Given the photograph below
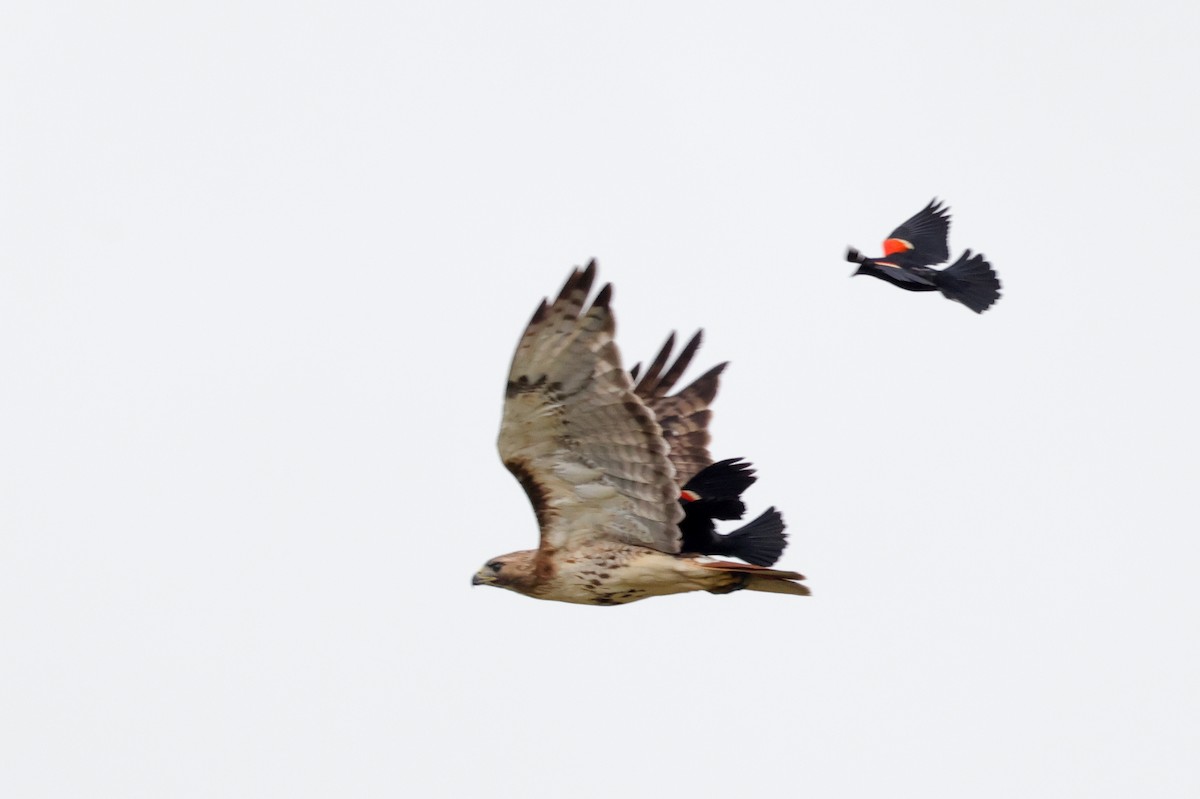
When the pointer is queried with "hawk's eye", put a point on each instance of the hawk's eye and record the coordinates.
(495, 566)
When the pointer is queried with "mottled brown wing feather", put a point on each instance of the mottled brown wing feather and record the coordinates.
(586, 449)
(684, 416)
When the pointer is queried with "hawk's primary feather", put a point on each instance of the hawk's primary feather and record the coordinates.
(684, 416)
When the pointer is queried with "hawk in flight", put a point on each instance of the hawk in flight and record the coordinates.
(912, 249)
(618, 472)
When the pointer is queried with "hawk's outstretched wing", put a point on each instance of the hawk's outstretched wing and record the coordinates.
(586, 449)
(924, 236)
(683, 416)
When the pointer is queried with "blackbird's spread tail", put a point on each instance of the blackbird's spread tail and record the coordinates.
(854, 256)
(760, 542)
(971, 281)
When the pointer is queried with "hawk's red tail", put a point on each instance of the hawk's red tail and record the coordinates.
(756, 578)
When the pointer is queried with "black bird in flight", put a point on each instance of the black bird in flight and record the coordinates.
(716, 493)
(912, 249)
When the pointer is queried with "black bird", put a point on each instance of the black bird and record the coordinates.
(915, 246)
(715, 493)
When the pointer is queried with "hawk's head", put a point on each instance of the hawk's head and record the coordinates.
(515, 571)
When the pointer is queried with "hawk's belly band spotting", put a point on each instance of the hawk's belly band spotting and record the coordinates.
(616, 574)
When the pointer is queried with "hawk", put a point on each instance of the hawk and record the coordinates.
(606, 463)
(912, 249)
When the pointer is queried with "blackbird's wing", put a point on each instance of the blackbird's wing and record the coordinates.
(923, 238)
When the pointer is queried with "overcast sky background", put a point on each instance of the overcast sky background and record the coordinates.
(262, 267)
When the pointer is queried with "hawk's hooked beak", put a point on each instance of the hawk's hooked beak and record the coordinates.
(483, 577)
(476, 579)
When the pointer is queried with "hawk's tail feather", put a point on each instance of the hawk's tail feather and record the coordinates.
(760, 542)
(971, 281)
(757, 578)
(777, 585)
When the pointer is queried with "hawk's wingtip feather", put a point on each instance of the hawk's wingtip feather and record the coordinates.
(604, 297)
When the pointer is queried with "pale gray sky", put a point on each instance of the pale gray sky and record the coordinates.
(262, 267)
